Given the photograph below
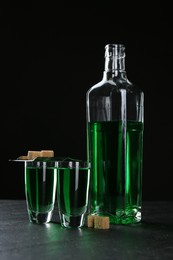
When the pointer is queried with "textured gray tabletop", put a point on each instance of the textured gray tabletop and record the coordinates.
(151, 239)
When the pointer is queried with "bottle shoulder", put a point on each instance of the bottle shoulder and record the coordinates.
(103, 85)
(114, 85)
(129, 86)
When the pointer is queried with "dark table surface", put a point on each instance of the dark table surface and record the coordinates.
(151, 239)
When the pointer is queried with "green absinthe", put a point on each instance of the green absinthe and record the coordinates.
(72, 189)
(116, 170)
(40, 187)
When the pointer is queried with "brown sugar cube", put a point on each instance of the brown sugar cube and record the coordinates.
(47, 153)
(23, 157)
(101, 222)
(33, 154)
(90, 221)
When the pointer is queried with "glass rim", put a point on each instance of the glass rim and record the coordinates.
(59, 164)
(73, 164)
(40, 164)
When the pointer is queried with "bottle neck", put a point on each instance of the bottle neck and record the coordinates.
(114, 62)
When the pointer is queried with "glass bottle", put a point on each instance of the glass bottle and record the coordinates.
(115, 125)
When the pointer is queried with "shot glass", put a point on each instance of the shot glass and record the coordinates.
(73, 179)
(40, 190)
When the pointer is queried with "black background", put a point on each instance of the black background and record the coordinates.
(51, 55)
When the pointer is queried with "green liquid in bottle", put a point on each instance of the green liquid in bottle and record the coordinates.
(116, 170)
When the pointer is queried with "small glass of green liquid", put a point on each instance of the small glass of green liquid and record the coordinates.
(73, 179)
(40, 190)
